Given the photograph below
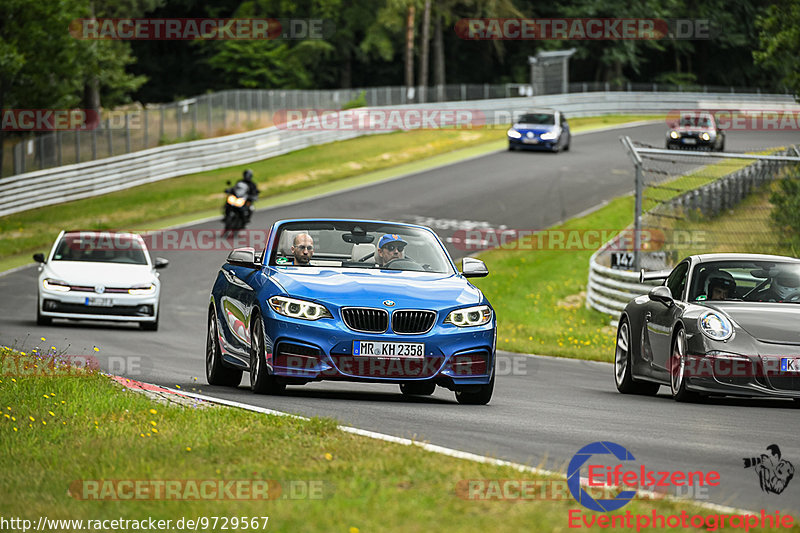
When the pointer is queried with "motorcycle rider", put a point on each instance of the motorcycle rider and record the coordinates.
(252, 192)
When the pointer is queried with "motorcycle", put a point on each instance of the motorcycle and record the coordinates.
(237, 207)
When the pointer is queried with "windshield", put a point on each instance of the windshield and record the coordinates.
(537, 118)
(100, 248)
(752, 281)
(694, 121)
(360, 245)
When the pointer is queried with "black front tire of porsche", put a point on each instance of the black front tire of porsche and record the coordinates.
(216, 372)
(418, 388)
(622, 365)
(480, 397)
(677, 370)
(261, 381)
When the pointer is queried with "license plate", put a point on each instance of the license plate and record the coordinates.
(689, 141)
(530, 141)
(790, 364)
(99, 302)
(389, 349)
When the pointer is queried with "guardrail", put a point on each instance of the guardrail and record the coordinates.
(609, 290)
(72, 182)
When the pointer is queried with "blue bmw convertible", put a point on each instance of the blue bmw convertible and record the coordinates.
(351, 300)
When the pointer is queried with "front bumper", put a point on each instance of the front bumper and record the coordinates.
(742, 375)
(303, 351)
(520, 144)
(75, 305)
(690, 143)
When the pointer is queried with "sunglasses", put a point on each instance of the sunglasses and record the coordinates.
(395, 247)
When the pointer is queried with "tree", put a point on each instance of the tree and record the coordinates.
(779, 42)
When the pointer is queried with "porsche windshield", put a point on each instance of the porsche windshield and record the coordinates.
(695, 121)
(751, 281)
(546, 119)
(359, 245)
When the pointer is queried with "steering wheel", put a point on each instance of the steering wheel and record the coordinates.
(794, 297)
(405, 263)
(371, 254)
(756, 288)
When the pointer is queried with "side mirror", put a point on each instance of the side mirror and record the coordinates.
(661, 294)
(161, 263)
(39, 258)
(473, 268)
(244, 257)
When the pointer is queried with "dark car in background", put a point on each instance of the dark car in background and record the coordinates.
(696, 131)
(541, 129)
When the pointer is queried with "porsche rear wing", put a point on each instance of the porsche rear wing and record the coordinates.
(653, 275)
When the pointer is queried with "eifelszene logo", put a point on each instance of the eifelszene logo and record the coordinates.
(774, 473)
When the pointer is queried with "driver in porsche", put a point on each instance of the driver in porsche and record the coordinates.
(390, 247)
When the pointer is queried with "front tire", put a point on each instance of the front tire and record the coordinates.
(151, 326)
(261, 381)
(622, 365)
(479, 397)
(216, 372)
(677, 370)
(42, 320)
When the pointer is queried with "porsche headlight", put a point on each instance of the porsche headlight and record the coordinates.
(715, 325)
(295, 308)
(548, 135)
(142, 290)
(469, 316)
(673, 134)
(705, 136)
(514, 134)
(55, 285)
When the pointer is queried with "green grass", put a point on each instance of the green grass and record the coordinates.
(95, 430)
(200, 195)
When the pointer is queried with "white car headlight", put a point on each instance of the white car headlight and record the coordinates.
(142, 290)
(469, 316)
(55, 285)
(715, 325)
(548, 135)
(295, 308)
(674, 134)
(705, 136)
(514, 134)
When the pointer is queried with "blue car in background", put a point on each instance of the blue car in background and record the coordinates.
(377, 302)
(541, 129)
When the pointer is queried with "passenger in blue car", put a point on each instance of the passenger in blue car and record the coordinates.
(390, 247)
(303, 249)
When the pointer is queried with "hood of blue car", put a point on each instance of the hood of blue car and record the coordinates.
(370, 288)
(537, 129)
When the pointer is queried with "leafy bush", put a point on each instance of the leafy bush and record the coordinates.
(786, 208)
(361, 101)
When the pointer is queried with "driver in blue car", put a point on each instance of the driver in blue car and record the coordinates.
(390, 247)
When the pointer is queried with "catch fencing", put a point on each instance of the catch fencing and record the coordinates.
(92, 178)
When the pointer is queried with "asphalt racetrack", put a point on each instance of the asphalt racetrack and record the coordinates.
(543, 410)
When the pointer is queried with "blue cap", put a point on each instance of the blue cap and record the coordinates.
(390, 237)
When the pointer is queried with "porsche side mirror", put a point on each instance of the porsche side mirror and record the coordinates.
(473, 268)
(661, 294)
(160, 263)
(245, 257)
(39, 258)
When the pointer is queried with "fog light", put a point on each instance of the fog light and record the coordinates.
(50, 305)
(146, 310)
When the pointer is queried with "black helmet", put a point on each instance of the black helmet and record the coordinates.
(247, 175)
(722, 280)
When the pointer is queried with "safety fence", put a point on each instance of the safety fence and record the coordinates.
(92, 178)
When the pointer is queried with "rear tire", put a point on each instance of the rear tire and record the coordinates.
(261, 381)
(216, 372)
(418, 388)
(622, 365)
(480, 397)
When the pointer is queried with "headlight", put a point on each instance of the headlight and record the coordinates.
(236, 201)
(548, 136)
(514, 134)
(294, 308)
(715, 325)
(55, 285)
(142, 290)
(469, 316)
(705, 136)
(673, 134)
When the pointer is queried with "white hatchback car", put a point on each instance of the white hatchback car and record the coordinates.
(97, 275)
